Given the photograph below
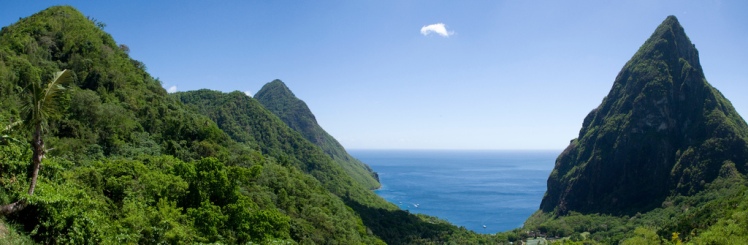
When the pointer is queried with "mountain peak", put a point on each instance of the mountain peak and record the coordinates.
(669, 41)
(277, 82)
(279, 100)
(278, 87)
(662, 130)
(671, 21)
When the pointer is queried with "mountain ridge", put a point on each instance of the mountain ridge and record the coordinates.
(662, 130)
(129, 163)
(281, 101)
(246, 120)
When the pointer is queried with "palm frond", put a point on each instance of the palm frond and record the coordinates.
(41, 99)
(55, 86)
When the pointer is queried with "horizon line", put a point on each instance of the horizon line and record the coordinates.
(447, 149)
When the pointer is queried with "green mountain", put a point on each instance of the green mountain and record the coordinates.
(247, 121)
(661, 131)
(662, 160)
(128, 163)
(279, 99)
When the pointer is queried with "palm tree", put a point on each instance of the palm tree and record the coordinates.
(39, 105)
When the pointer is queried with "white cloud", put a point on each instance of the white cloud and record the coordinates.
(437, 28)
(172, 89)
(248, 93)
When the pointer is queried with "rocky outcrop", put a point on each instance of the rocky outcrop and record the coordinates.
(662, 130)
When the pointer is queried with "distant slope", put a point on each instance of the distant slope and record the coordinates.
(279, 99)
(246, 120)
(663, 130)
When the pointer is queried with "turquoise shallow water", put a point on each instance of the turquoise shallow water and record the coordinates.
(498, 189)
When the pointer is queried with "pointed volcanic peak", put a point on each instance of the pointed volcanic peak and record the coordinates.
(278, 99)
(663, 130)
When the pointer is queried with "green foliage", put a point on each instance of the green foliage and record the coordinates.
(247, 121)
(10, 235)
(728, 230)
(114, 107)
(129, 164)
(642, 236)
(40, 101)
(712, 216)
(14, 162)
(401, 227)
(279, 100)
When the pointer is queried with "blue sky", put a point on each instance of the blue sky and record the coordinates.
(512, 74)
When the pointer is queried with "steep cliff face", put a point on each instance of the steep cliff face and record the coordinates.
(278, 99)
(662, 130)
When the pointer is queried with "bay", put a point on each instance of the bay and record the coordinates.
(495, 189)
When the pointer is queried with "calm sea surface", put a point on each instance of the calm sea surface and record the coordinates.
(498, 189)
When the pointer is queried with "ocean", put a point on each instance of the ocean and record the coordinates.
(484, 191)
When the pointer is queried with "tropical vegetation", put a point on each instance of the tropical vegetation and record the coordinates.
(94, 151)
(279, 100)
(124, 162)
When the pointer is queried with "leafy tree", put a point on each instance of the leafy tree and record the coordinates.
(40, 106)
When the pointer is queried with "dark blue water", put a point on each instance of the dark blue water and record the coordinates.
(498, 189)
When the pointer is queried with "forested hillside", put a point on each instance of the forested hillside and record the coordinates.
(126, 163)
(278, 99)
(246, 120)
(123, 162)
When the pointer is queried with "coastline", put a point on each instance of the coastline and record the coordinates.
(498, 189)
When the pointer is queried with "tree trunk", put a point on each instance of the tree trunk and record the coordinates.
(38, 148)
(13, 207)
(37, 145)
